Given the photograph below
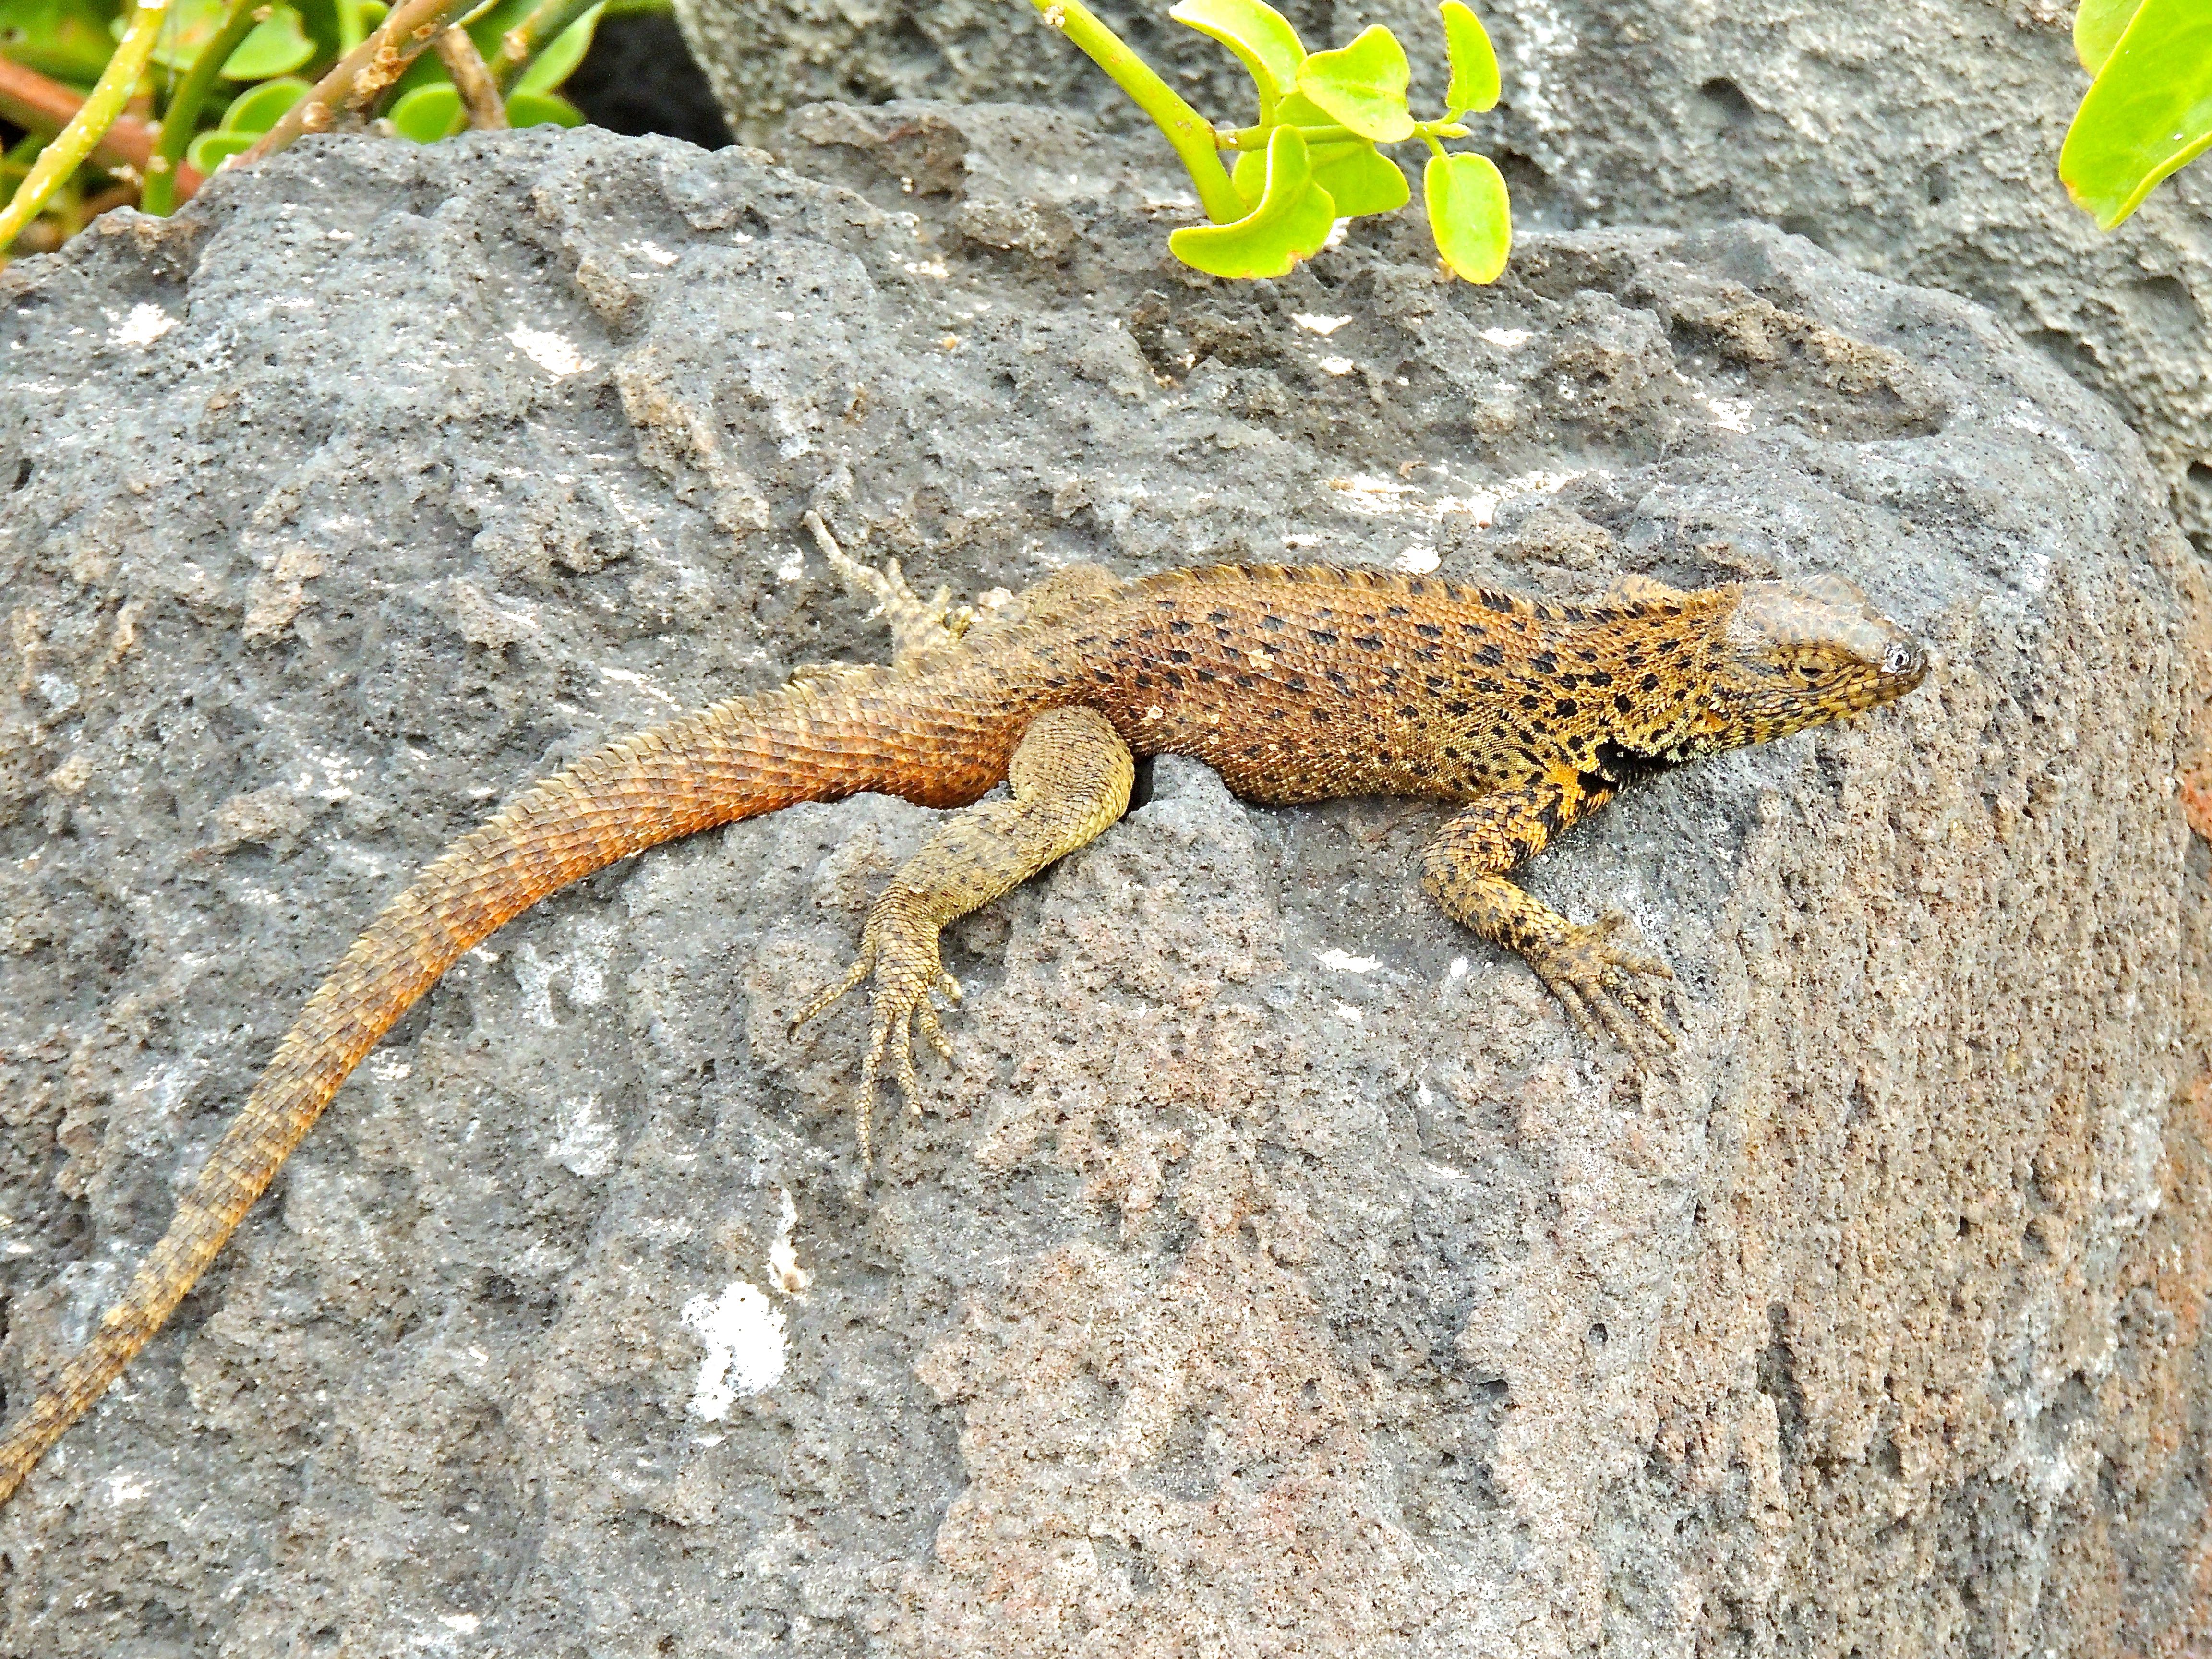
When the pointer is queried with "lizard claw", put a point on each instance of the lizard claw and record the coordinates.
(1603, 986)
(900, 949)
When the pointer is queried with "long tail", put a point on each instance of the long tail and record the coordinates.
(735, 760)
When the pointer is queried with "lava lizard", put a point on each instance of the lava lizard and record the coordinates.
(1296, 684)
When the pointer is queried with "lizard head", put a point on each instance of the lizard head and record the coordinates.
(1794, 654)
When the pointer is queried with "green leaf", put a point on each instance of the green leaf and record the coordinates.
(1250, 175)
(1261, 37)
(255, 111)
(1362, 85)
(424, 114)
(558, 61)
(1360, 180)
(540, 109)
(1469, 215)
(1473, 64)
(68, 39)
(276, 45)
(1365, 181)
(1292, 221)
(213, 148)
(2098, 26)
(1298, 111)
(2148, 114)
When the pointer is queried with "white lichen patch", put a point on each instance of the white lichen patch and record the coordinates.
(146, 323)
(1506, 339)
(1730, 414)
(1482, 507)
(554, 352)
(1418, 559)
(744, 1341)
(1321, 325)
(625, 676)
(124, 1487)
(783, 1269)
(1336, 365)
(1376, 497)
(584, 1142)
(1344, 962)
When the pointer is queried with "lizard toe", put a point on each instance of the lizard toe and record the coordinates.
(1607, 988)
(925, 1018)
(863, 964)
(909, 1082)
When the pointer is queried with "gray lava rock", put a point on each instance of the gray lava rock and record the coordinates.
(1919, 141)
(1277, 1272)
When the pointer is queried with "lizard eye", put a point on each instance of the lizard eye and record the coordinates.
(1900, 659)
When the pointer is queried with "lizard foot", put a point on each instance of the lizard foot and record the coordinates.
(1602, 984)
(918, 626)
(899, 947)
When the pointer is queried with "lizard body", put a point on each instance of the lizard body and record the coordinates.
(1296, 684)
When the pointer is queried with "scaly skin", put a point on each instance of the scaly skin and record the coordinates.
(1295, 684)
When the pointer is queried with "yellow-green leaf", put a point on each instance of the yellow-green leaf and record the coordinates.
(558, 61)
(68, 39)
(1473, 63)
(1292, 221)
(2148, 114)
(1261, 37)
(1250, 175)
(1469, 215)
(425, 114)
(542, 109)
(275, 45)
(215, 146)
(1363, 181)
(257, 110)
(1362, 85)
(2098, 26)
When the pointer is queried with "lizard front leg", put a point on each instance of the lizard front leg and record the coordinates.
(1071, 776)
(1600, 981)
(919, 627)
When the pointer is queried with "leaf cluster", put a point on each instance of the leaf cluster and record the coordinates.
(1316, 154)
(229, 70)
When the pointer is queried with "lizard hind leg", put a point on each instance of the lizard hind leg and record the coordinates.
(1603, 982)
(1070, 776)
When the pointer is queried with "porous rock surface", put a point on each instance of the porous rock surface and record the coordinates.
(1278, 1271)
(1919, 140)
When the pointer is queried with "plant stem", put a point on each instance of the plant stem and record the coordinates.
(479, 91)
(363, 75)
(182, 116)
(1190, 133)
(547, 22)
(62, 158)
